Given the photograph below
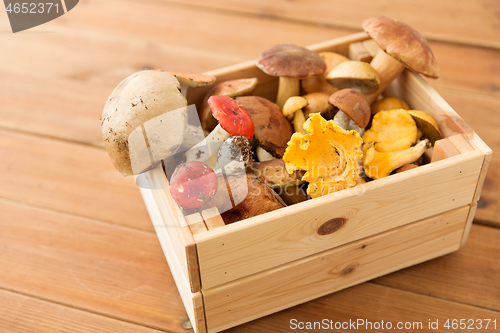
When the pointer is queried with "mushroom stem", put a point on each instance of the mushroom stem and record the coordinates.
(184, 90)
(206, 150)
(388, 69)
(288, 87)
(355, 127)
(298, 122)
(342, 120)
(263, 155)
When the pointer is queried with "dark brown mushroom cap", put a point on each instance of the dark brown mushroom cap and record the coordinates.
(193, 79)
(404, 43)
(291, 61)
(353, 104)
(272, 129)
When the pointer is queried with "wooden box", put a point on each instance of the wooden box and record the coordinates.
(236, 273)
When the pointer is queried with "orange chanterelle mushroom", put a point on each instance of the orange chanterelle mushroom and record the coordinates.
(327, 153)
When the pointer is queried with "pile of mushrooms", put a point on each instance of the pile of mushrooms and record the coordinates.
(327, 130)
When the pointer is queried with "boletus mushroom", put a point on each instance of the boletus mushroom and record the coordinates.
(145, 104)
(403, 48)
(251, 197)
(187, 80)
(272, 129)
(318, 83)
(290, 63)
(352, 106)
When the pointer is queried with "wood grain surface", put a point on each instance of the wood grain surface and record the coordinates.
(77, 249)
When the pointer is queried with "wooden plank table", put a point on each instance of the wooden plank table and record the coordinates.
(77, 249)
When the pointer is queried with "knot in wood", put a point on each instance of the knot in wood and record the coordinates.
(349, 269)
(330, 226)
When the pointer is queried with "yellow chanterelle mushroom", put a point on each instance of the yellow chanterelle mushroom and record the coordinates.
(388, 143)
(327, 153)
(379, 165)
(391, 131)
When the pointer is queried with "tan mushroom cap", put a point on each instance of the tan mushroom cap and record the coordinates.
(193, 79)
(272, 129)
(318, 103)
(427, 125)
(231, 88)
(293, 104)
(318, 83)
(353, 104)
(351, 74)
(289, 60)
(403, 43)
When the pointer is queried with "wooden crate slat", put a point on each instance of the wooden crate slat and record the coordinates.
(174, 224)
(212, 218)
(265, 241)
(468, 224)
(373, 303)
(193, 301)
(196, 223)
(332, 270)
(443, 149)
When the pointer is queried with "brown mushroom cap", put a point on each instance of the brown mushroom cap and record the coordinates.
(193, 79)
(350, 74)
(231, 88)
(290, 61)
(404, 43)
(354, 104)
(427, 125)
(317, 102)
(272, 129)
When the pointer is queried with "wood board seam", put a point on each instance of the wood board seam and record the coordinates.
(342, 245)
(432, 296)
(73, 215)
(82, 309)
(350, 27)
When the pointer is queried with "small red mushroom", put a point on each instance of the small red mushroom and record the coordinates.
(193, 184)
(232, 116)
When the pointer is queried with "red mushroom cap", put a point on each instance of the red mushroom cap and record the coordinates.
(193, 184)
(231, 116)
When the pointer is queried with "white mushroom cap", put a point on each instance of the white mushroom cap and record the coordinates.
(143, 121)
